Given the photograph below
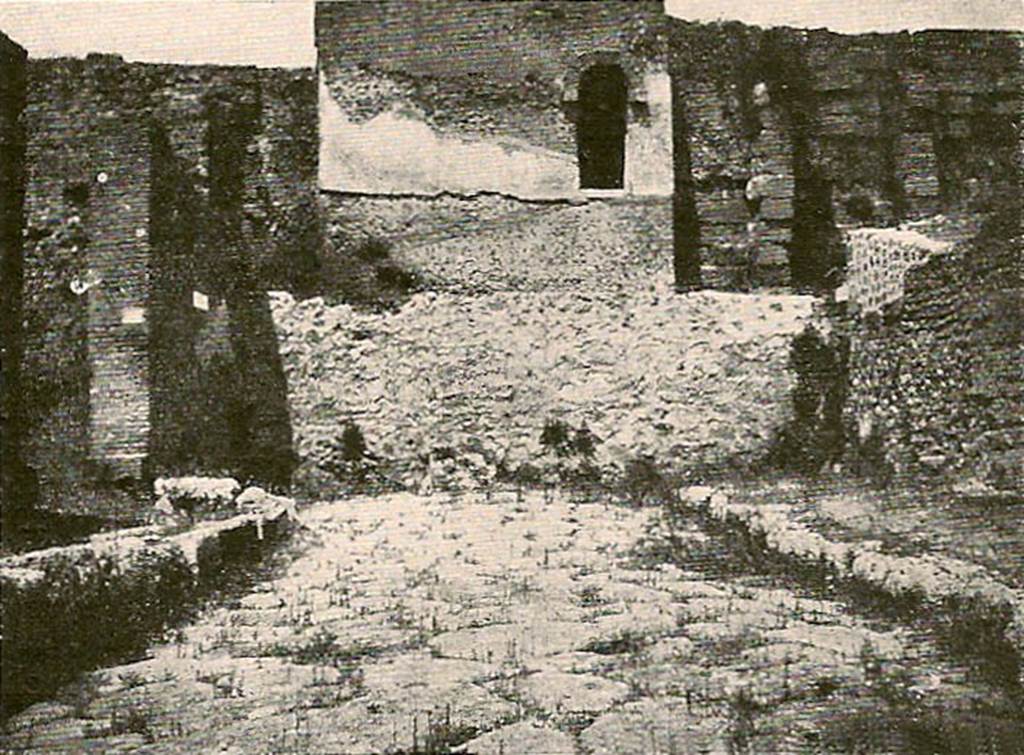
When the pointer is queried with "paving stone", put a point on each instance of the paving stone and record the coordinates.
(652, 727)
(522, 737)
(510, 641)
(557, 692)
(670, 648)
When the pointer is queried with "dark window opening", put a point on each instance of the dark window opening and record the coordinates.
(601, 127)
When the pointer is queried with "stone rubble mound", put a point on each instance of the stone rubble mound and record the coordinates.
(691, 378)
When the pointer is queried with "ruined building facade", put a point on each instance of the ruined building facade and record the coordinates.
(472, 148)
(733, 149)
(497, 146)
(162, 203)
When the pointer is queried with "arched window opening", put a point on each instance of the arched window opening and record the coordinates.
(601, 127)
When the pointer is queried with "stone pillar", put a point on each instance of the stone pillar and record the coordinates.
(118, 318)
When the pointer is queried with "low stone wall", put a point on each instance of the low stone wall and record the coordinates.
(945, 588)
(689, 379)
(66, 609)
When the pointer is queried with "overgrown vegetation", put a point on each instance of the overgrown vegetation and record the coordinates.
(815, 436)
(645, 483)
(124, 603)
(41, 624)
(571, 452)
(361, 272)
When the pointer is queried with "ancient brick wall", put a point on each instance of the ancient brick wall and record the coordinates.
(86, 163)
(126, 202)
(440, 62)
(461, 157)
(118, 256)
(826, 129)
(935, 382)
(742, 166)
(12, 198)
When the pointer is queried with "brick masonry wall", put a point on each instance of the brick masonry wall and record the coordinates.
(855, 130)
(12, 198)
(66, 158)
(107, 391)
(443, 59)
(938, 379)
(412, 104)
(119, 257)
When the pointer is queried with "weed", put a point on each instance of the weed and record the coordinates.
(440, 736)
(318, 649)
(131, 679)
(731, 646)
(815, 436)
(132, 720)
(743, 709)
(393, 276)
(374, 250)
(625, 642)
(644, 483)
(556, 438)
(590, 596)
(353, 444)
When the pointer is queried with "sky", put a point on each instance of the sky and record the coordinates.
(276, 33)
(859, 16)
(280, 32)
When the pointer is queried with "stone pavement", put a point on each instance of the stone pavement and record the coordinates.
(409, 624)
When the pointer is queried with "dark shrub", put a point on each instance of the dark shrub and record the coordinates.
(393, 276)
(556, 437)
(374, 250)
(353, 444)
(815, 435)
(644, 483)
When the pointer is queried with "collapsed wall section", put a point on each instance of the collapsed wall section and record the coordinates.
(686, 380)
(525, 284)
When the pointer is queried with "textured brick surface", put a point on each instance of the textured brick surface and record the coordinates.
(12, 186)
(882, 126)
(939, 381)
(147, 183)
(443, 58)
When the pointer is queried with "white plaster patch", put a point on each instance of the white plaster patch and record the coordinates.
(648, 168)
(395, 152)
(133, 315)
